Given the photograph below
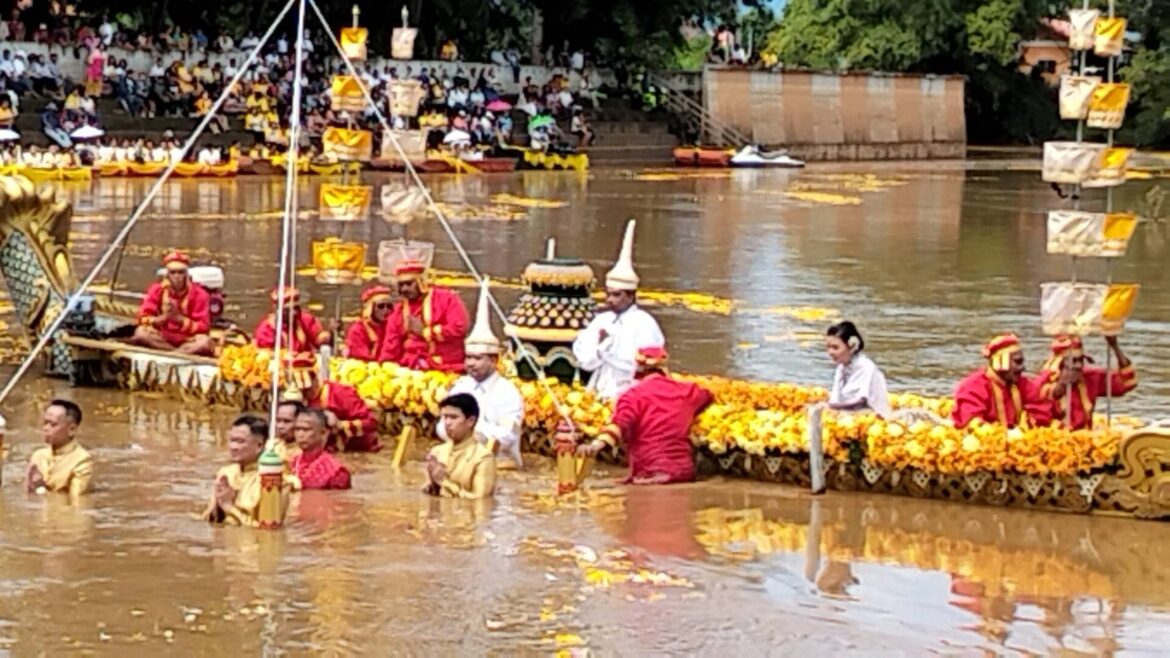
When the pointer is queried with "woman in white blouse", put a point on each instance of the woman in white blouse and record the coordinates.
(858, 384)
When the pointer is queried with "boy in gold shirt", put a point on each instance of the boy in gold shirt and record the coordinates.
(460, 467)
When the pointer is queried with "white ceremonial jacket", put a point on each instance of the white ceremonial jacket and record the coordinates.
(613, 360)
(501, 412)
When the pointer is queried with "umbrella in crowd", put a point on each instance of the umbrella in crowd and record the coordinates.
(457, 137)
(8, 135)
(87, 132)
(499, 105)
(540, 121)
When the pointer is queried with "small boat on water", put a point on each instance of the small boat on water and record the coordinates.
(748, 157)
(755, 430)
(703, 156)
(753, 157)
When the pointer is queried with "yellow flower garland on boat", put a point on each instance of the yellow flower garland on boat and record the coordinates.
(758, 418)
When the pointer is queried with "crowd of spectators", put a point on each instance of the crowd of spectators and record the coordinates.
(183, 81)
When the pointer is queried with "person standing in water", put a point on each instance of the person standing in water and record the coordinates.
(609, 346)
(62, 465)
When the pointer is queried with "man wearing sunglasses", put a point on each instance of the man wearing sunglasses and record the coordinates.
(364, 337)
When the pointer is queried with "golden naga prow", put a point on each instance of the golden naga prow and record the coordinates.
(1142, 486)
(38, 271)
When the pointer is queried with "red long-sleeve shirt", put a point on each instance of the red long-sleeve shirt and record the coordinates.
(194, 305)
(653, 419)
(1085, 394)
(977, 394)
(440, 347)
(320, 470)
(363, 340)
(307, 335)
(357, 428)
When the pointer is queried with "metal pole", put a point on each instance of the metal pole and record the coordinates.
(1109, 261)
(290, 217)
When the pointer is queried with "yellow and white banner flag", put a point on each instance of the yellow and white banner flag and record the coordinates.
(405, 96)
(402, 204)
(402, 42)
(1111, 167)
(353, 42)
(345, 202)
(1085, 308)
(413, 143)
(1082, 34)
(1110, 37)
(1071, 308)
(1089, 234)
(1107, 105)
(1076, 92)
(338, 262)
(346, 144)
(1118, 306)
(345, 94)
(1070, 162)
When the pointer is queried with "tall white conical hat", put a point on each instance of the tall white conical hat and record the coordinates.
(481, 340)
(623, 276)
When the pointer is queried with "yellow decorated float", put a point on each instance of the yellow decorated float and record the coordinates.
(755, 430)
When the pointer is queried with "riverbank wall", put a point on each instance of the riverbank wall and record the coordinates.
(842, 116)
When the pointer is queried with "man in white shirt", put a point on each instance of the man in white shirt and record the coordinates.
(282, 45)
(501, 407)
(208, 156)
(609, 345)
(19, 65)
(6, 67)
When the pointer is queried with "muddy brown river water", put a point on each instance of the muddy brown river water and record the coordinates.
(929, 259)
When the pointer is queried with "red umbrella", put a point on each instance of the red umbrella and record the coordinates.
(499, 105)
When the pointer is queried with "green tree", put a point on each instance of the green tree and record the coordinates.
(1148, 71)
(975, 38)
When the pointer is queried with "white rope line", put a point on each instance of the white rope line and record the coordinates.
(288, 226)
(434, 208)
(139, 211)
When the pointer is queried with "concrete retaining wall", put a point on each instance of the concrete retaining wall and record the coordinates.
(829, 116)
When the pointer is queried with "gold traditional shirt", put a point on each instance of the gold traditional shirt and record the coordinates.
(245, 481)
(471, 469)
(67, 469)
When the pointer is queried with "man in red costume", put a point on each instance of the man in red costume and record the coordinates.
(1000, 393)
(653, 418)
(1066, 371)
(307, 334)
(364, 338)
(426, 328)
(352, 427)
(313, 465)
(175, 315)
